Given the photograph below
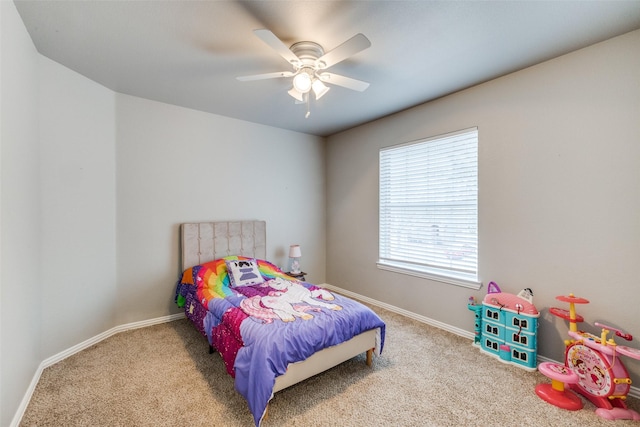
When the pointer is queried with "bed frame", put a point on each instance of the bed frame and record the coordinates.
(207, 241)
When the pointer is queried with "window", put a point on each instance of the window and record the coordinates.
(491, 344)
(492, 314)
(429, 208)
(520, 323)
(519, 355)
(522, 339)
(492, 330)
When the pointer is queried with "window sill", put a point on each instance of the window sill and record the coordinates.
(466, 281)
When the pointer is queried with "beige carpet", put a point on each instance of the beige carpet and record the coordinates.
(163, 376)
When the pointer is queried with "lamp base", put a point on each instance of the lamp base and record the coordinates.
(295, 266)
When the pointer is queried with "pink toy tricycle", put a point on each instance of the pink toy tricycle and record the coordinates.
(592, 367)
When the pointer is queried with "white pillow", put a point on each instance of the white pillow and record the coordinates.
(243, 272)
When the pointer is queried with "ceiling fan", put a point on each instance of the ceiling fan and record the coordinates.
(310, 62)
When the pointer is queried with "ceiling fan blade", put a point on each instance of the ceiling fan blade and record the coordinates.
(266, 76)
(276, 44)
(348, 82)
(349, 48)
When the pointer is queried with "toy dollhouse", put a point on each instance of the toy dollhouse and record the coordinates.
(506, 326)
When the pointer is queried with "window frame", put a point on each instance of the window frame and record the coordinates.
(445, 275)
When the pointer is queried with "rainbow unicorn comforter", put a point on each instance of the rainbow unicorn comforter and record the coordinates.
(261, 328)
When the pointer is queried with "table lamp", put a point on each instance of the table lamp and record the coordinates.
(295, 253)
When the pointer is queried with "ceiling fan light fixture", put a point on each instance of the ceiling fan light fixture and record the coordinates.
(295, 94)
(302, 82)
(319, 88)
(309, 61)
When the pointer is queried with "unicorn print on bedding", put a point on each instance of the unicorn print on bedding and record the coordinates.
(290, 301)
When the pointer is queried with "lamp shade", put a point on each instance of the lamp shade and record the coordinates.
(319, 88)
(294, 251)
(297, 95)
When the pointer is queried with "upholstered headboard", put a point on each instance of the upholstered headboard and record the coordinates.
(206, 241)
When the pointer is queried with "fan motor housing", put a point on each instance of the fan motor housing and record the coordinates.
(308, 52)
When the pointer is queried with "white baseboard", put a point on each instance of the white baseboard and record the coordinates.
(409, 314)
(78, 348)
(633, 392)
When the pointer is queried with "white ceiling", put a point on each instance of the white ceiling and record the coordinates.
(188, 53)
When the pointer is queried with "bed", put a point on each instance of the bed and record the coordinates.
(271, 330)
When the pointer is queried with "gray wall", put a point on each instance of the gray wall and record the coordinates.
(177, 165)
(20, 237)
(78, 195)
(559, 196)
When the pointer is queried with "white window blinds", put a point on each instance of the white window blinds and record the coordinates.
(429, 207)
